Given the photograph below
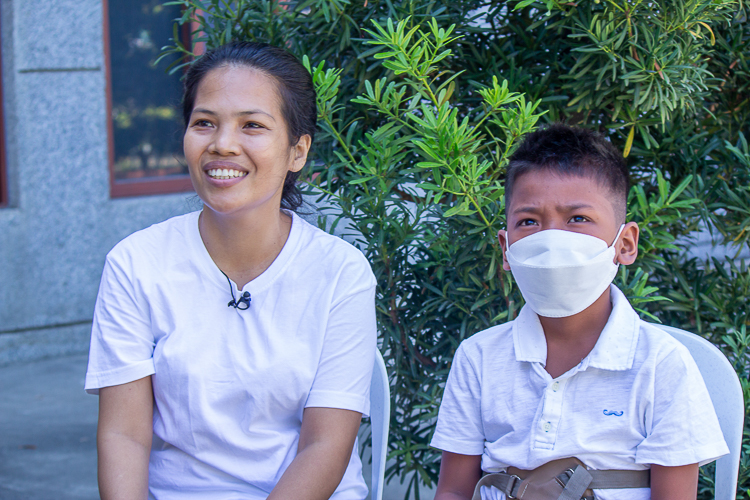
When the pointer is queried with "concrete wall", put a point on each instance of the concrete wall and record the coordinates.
(61, 221)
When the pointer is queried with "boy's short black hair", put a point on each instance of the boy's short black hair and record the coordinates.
(572, 151)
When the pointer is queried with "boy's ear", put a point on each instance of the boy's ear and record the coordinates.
(502, 237)
(626, 249)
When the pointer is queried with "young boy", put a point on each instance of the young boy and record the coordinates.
(577, 373)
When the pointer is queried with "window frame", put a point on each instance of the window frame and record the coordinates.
(3, 148)
(143, 186)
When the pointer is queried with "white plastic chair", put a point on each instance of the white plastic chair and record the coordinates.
(726, 395)
(380, 414)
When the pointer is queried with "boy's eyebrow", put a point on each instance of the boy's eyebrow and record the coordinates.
(528, 209)
(560, 208)
(574, 206)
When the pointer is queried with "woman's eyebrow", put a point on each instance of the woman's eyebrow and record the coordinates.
(255, 112)
(239, 113)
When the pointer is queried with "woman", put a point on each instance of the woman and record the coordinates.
(260, 398)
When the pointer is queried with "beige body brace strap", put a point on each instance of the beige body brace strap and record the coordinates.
(564, 479)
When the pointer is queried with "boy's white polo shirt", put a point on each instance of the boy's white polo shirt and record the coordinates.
(636, 399)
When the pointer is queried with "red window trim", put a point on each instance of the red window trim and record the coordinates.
(3, 150)
(139, 187)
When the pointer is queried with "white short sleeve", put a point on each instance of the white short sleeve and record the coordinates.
(681, 422)
(459, 427)
(344, 372)
(122, 342)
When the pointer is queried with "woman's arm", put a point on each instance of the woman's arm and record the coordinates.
(459, 475)
(674, 483)
(325, 446)
(123, 439)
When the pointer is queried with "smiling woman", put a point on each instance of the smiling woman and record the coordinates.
(237, 136)
(289, 90)
(261, 399)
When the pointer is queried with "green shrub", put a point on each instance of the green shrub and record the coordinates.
(421, 103)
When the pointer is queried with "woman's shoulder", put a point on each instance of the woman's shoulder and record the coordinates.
(330, 253)
(157, 240)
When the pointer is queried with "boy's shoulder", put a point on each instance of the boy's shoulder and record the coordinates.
(493, 346)
(660, 349)
(498, 334)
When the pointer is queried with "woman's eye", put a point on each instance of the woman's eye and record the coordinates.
(202, 123)
(252, 125)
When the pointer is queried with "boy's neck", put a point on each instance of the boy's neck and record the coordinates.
(572, 338)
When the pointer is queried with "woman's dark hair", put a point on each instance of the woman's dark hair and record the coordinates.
(572, 151)
(295, 87)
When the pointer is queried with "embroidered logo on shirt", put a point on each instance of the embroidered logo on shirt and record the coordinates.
(613, 412)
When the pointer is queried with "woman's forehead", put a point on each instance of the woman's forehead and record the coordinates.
(238, 86)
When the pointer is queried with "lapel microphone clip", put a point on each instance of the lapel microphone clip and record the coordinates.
(243, 302)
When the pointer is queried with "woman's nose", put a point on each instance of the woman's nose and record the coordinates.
(225, 142)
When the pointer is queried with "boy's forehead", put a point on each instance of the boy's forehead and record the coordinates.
(553, 175)
(550, 177)
(540, 187)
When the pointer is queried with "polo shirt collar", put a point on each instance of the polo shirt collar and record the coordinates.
(615, 349)
(529, 341)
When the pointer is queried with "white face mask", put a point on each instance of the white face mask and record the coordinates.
(561, 273)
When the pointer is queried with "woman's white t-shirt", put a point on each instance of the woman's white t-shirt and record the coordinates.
(230, 385)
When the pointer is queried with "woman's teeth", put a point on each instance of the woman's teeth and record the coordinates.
(223, 173)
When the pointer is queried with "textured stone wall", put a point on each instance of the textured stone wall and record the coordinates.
(61, 221)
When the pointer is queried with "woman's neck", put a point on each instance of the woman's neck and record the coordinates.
(244, 245)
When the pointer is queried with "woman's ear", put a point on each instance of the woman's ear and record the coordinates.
(626, 249)
(502, 237)
(300, 151)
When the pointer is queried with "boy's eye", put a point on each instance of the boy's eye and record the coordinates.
(578, 218)
(526, 222)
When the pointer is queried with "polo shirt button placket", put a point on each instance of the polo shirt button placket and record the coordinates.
(551, 413)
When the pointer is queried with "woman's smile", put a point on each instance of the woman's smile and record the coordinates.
(224, 173)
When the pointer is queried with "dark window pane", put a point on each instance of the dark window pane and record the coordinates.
(145, 99)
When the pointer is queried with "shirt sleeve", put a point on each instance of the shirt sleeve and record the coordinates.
(122, 342)
(459, 427)
(681, 423)
(344, 372)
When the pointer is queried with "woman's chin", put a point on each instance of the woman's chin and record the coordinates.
(233, 207)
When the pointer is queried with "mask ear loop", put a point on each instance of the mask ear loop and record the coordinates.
(619, 232)
(622, 227)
